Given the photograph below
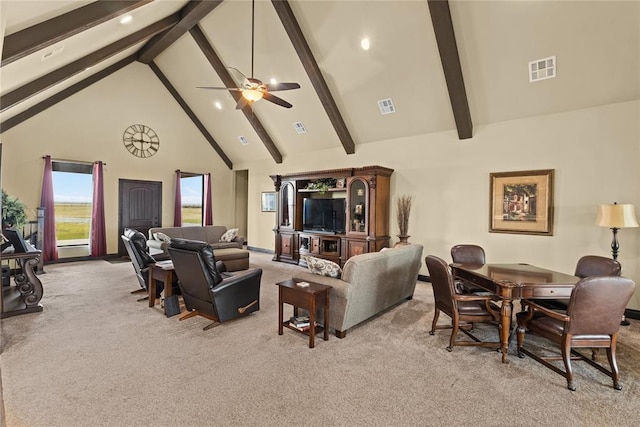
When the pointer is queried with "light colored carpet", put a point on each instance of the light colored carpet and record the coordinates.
(96, 357)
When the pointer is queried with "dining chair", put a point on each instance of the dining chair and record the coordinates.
(592, 320)
(587, 266)
(468, 254)
(464, 310)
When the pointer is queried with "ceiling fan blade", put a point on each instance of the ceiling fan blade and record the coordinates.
(242, 102)
(219, 88)
(240, 78)
(279, 101)
(282, 86)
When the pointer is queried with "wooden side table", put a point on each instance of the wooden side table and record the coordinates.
(162, 271)
(309, 298)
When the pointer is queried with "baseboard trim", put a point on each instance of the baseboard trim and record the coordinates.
(266, 251)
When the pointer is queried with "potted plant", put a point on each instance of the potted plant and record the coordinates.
(322, 185)
(404, 209)
(13, 211)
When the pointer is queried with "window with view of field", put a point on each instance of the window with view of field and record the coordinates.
(72, 195)
(192, 190)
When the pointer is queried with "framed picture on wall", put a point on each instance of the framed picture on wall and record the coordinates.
(521, 202)
(268, 201)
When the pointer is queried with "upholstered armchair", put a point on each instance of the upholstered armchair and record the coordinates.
(136, 245)
(592, 320)
(206, 291)
(140, 258)
(464, 310)
(587, 266)
(468, 254)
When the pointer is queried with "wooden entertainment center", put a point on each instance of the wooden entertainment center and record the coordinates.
(364, 227)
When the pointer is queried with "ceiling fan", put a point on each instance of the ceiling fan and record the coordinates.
(251, 88)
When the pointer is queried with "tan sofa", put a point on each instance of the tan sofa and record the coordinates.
(210, 234)
(369, 284)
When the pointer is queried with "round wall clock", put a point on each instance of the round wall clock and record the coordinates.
(141, 141)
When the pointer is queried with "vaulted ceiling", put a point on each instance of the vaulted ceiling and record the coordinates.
(447, 66)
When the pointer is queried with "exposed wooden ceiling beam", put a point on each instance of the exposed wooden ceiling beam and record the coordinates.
(309, 63)
(446, 39)
(64, 94)
(172, 90)
(215, 61)
(39, 36)
(190, 15)
(36, 86)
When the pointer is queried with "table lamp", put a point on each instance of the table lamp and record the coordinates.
(616, 216)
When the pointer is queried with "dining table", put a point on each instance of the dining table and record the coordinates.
(511, 282)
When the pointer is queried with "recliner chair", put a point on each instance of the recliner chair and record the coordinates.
(136, 245)
(206, 291)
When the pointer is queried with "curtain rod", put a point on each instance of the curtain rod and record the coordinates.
(74, 161)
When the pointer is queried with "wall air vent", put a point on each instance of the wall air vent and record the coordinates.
(51, 53)
(243, 140)
(299, 127)
(386, 106)
(542, 69)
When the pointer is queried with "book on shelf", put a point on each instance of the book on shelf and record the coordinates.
(299, 321)
(302, 328)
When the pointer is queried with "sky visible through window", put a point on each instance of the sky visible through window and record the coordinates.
(72, 187)
(78, 187)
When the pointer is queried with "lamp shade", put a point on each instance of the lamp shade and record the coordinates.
(617, 216)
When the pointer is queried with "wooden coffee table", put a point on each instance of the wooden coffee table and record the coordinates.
(309, 298)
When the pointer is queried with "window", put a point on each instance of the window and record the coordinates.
(192, 188)
(72, 196)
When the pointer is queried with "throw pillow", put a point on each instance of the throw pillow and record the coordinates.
(230, 235)
(323, 267)
(162, 237)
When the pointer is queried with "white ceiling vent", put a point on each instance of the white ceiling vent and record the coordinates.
(51, 53)
(299, 127)
(243, 140)
(386, 106)
(542, 69)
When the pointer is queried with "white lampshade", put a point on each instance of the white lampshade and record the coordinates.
(617, 216)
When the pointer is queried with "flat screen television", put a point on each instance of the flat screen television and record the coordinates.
(324, 215)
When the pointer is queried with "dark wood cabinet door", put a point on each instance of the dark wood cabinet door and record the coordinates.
(140, 207)
(356, 247)
(287, 246)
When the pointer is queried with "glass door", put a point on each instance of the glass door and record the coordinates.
(287, 205)
(358, 203)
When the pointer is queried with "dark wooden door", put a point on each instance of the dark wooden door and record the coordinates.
(140, 207)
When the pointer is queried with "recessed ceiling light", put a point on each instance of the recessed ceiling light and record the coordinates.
(273, 81)
(365, 44)
(218, 105)
(126, 19)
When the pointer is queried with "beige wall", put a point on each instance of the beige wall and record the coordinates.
(89, 126)
(594, 152)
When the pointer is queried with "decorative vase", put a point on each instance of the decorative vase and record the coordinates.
(403, 241)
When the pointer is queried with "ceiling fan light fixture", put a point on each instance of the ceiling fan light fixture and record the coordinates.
(252, 94)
